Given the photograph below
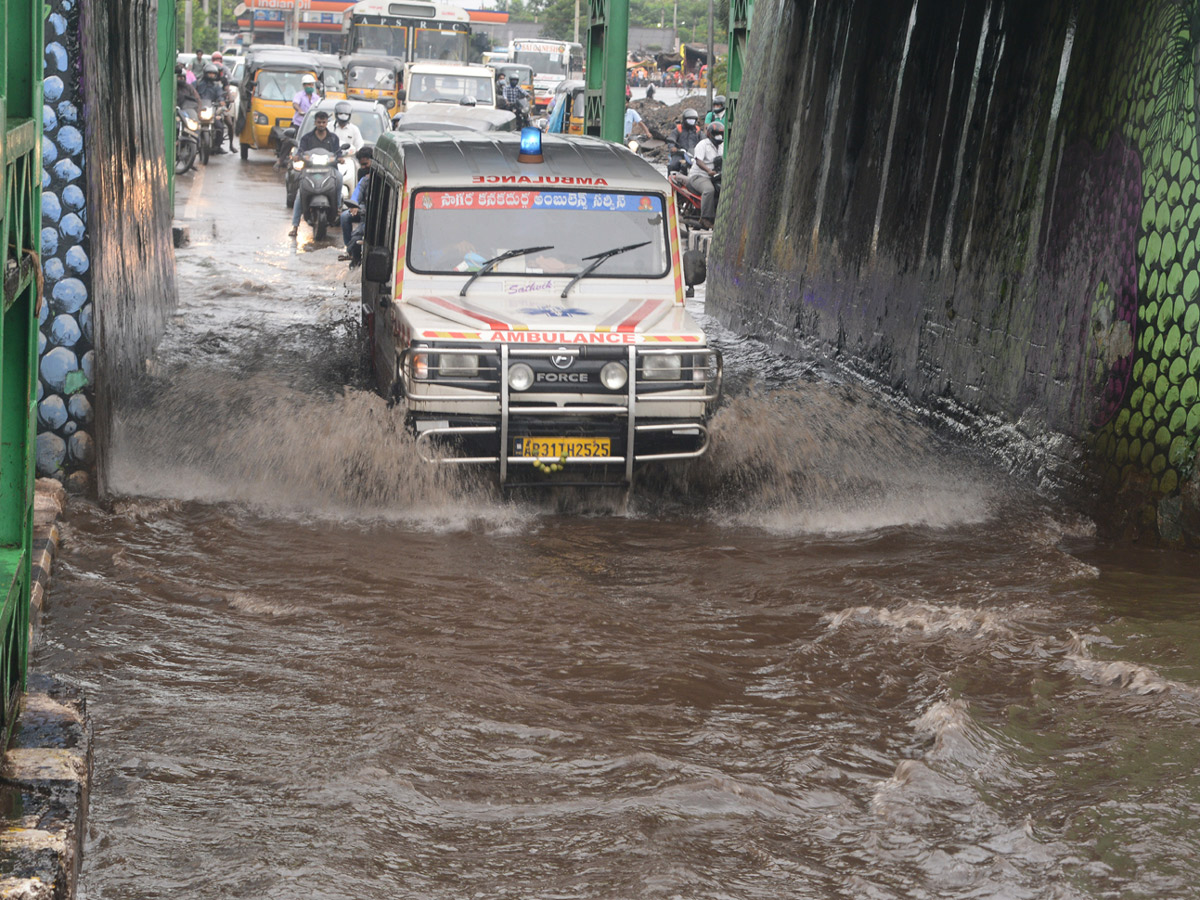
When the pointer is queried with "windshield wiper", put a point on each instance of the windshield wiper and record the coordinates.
(495, 261)
(599, 258)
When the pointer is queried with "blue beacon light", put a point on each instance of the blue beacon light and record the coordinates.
(531, 145)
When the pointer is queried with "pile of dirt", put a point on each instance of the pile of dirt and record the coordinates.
(662, 119)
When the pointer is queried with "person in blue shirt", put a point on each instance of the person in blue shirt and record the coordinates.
(356, 206)
(634, 123)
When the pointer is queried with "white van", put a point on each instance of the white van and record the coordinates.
(523, 296)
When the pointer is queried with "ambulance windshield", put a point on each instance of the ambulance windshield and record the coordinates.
(458, 231)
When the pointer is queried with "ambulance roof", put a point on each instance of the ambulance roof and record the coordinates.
(459, 159)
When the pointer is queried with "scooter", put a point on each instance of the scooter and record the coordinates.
(317, 189)
(187, 144)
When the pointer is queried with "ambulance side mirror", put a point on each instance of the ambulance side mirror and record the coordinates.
(377, 267)
(695, 267)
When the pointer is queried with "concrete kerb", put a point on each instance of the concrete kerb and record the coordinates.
(46, 772)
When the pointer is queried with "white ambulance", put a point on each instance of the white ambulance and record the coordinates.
(523, 296)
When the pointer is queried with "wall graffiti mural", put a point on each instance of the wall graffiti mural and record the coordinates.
(992, 209)
(1155, 435)
(65, 445)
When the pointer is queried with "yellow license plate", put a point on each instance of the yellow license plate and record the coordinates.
(558, 447)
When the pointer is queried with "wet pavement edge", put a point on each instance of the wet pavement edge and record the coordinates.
(46, 772)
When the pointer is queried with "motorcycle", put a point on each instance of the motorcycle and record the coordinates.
(212, 131)
(316, 186)
(187, 144)
(687, 201)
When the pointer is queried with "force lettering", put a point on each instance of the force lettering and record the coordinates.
(539, 179)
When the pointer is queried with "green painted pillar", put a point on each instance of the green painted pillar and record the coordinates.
(21, 54)
(166, 84)
(740, 14)
(607, 49)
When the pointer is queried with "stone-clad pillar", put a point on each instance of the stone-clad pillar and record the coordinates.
(65, 443)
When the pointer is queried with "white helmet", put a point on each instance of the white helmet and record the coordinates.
(308, 79)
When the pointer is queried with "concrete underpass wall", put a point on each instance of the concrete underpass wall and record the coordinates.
(990, 208)
(108, 260)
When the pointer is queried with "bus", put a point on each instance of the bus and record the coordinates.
(551, 61)
(408, 30)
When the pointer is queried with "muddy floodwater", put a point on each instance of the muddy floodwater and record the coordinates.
(837, 658)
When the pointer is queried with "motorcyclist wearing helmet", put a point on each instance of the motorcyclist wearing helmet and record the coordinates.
(211, 91)
(688, 132)
(513, 92)
(717, 113)
(704, 167)
(219, 61)
(304, 99)
(210, 87)
(185, 94)
(347, 132)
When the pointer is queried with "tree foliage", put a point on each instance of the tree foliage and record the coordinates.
(558, 16)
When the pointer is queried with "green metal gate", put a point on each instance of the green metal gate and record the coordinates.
(21, 51)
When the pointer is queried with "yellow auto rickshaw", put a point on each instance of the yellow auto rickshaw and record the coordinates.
(377, 78)
(567, 115)
(270, 82)
(332, 76)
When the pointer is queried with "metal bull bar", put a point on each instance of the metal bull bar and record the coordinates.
(630, 407)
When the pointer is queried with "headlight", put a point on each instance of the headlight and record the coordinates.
(661, 368)
(298, 164)
(420, 366)
(260, 119)
(704, 368)
(459, 365)
(613, 376)
(520, 377)
(319, 159)
(206, 114)
(192, 124)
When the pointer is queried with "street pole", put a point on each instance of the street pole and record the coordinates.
(296, 24)
(187, 26)
(711, 56)
(675, 23)
(576, 37)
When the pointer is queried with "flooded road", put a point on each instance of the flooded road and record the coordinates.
(833, 659)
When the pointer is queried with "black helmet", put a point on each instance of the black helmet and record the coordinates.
(690, 114)
(719, 101)
(211, 69)
(714, 129)
(341, 112)
(365, 152)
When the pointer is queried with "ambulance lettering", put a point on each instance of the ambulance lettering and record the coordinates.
(559, 337)
(539, 179)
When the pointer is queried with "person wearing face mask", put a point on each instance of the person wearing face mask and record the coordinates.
(717, 113)
(683, 141)
(347, 132)
(704, 167)
(305, 97)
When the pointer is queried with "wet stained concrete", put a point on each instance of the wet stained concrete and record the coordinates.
(836, 658)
